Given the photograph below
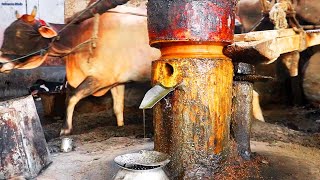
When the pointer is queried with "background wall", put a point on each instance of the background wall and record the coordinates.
(16, 83)
(7, 9)
(73, 6)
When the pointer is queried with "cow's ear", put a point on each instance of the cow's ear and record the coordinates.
(18, 16)
(47, 32)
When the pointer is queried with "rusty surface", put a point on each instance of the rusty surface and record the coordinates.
(191, 20)
(23, 149)
(11, 151)
(243, 68)
(246, 72)
(252, 78)
(242, 116)
(192, 123)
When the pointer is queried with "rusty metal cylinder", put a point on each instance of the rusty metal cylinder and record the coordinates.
(192, 122)
(205, 21)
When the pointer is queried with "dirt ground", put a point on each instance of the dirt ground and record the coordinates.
(289, 141)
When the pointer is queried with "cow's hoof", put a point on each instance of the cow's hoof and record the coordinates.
(65, 132)
(120, 124)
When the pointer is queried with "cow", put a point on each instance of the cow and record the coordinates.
(101, 53)
(250, 11)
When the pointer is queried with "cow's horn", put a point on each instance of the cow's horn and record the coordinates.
(17, 14)
(34, 11)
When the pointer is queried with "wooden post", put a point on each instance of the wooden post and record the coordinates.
(192, 122)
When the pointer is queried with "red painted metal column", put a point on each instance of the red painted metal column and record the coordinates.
(192, 122)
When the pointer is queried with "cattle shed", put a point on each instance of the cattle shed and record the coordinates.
(270, 80)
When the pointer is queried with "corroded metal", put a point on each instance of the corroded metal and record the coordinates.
(192, 123)
(23, 149)
(243, 68)
(246, 72)
(242, 110)
(191, 20)
(242, 116)
(252, 78)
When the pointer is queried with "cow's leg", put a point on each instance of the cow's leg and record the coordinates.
(118, 102)
(257, 112)
(86, 88)
(291, 62)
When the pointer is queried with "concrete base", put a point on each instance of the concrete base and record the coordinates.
(93, 160)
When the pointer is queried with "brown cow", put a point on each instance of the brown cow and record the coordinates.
(122, 54)
(250, 11)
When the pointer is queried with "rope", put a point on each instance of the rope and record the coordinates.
(92, 40)
(41, 52)
(278, 15)
(130, 13)
(76, 47)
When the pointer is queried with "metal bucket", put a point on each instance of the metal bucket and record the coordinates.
(66, 145)
(142, 166)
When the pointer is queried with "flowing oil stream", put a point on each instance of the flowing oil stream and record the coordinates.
(144, 123)
(154, 95)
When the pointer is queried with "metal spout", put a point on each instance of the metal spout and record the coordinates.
(154, 95)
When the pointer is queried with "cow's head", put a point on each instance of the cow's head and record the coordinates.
(21, 39)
